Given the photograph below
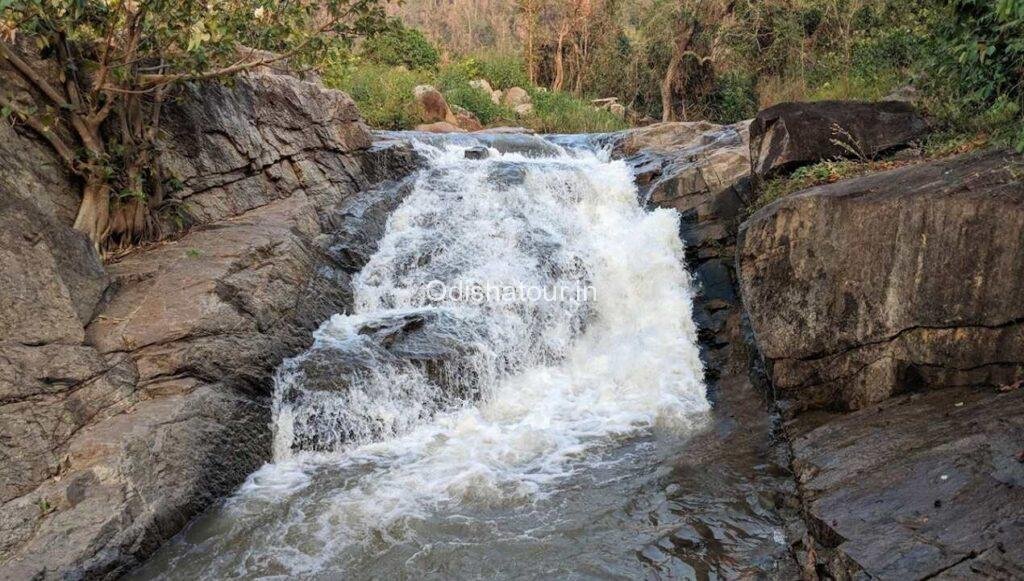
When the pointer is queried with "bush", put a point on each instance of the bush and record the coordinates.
(503, 71)
(383, 94)
(397, 45)
(557, 112)
(734, 98)
(975, 65)
(478, 103)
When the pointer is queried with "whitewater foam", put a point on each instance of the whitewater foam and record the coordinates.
(540, 387)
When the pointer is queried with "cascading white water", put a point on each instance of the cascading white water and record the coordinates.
(605, 346)
(526, 386)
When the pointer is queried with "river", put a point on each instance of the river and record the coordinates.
(517, 393)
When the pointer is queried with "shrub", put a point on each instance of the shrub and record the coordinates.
(734, 98)
(478, 103)
(557, 112)
(975, 65)
(397, 45)
(503, 71)
(383, 94)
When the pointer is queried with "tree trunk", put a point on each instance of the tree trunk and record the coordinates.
(556, 85)
(93, 217)
(667, 112)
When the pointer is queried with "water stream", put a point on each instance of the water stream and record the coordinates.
(517, 393)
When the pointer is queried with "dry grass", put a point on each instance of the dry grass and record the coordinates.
(827, 172)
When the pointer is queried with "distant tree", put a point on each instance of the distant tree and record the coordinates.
(529, 25)
(699, 29)
(395, 44)
(96, 73)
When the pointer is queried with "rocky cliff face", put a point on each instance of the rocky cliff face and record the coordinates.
(898, 295)
(135, 394)
(892, 282)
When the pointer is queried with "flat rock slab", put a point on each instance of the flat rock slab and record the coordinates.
(928, 485)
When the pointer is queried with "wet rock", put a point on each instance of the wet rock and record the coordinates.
(919, 487)
(662, 137)
(892, 282)
(478, 152)
(507, 130)
(789, 135)
(426, 355)
(702, 171)
(440, 127)
(353, 230)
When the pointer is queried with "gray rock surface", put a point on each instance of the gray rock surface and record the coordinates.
(134, 395)
(891, 282)
(789, 135)
(923, 486)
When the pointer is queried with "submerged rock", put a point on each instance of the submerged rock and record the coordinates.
(477, 152)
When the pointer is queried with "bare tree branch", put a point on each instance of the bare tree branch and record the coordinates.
(33, 77)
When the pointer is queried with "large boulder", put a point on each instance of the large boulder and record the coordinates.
(789, 135)
(903, 280)
(515, 96)
(135, 394)
(431, 105)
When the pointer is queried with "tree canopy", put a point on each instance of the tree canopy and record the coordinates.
(95, 73)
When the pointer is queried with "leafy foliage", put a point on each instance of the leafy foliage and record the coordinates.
(558, 112)
(383, 94)
(976, 64)
(398, 45)
(98, 71)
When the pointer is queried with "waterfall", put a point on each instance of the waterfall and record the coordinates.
(522, 313)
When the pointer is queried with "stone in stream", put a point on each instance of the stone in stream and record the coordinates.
(430, 351)
(477, 152)
(788, 135)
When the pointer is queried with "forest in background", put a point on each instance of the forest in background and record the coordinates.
(91, 77)
(719, 60)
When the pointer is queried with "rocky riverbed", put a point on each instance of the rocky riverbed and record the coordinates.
(862, 342)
